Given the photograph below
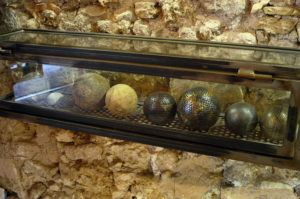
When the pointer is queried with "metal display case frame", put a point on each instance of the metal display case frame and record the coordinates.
(85, 50)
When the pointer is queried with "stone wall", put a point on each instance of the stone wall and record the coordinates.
(268, 22)
(43, 162)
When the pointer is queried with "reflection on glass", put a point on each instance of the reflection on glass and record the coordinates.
(203, 50)
(224, 110)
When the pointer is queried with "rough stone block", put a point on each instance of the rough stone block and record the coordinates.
(146, 10)
(141, 28)
(94, 11)
(227, 7)
(259, 5)
(171, 10)
(36, 168)
(187, 33)
(86, 152)
(163, 161)
(37, 190)
(64, 136)
(10, 177)
(107, 26)
(284, 11)
(244, 174)
(276, 26)
(25, 150)
(131, 157)
(254, 193)
(127, 15)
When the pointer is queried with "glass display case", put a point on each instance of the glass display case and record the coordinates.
(227, 100)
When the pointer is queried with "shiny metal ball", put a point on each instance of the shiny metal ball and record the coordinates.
(197, 108)
(241, 118)
(160, 108)
(273, 122)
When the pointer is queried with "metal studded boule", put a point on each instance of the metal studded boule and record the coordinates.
(241, 118)
(273, 122)
(159, 108)
(197, 108)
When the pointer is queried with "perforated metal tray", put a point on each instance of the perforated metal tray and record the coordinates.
(217, 134)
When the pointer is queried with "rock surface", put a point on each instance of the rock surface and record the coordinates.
(146, 10)
(253, 193)
(44, 162)
(236, 37)
(298, 31)
(276, 26)
(231, 8)
(259, 5)
(284, 11)
(87, 152)
(250, 175)
(141, 28)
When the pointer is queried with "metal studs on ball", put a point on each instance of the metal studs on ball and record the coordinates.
(241, 118)
(160, 108)
(198, 109)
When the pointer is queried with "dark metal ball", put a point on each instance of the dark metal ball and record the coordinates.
(273, 122)
(241, 118)
(160, 108)
(197, 108)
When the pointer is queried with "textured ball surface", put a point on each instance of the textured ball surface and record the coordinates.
(241, 118)
(89, 90)
(273, 122)
(159, 108)
(121, 100)
(198, 109)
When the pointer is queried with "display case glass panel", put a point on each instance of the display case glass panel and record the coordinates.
(160, 46)
(230, 100)
(160, 106)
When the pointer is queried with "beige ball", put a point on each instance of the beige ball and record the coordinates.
(121, 100)
(89, 90)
